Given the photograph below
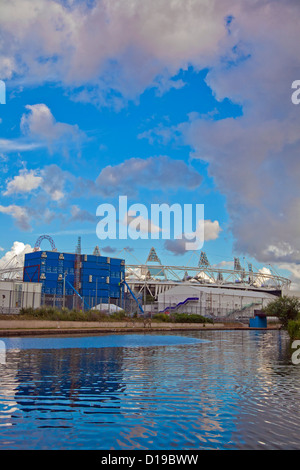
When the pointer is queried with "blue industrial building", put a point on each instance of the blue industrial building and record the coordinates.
(93, 279)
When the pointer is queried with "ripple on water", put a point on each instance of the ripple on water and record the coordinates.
(194, 390)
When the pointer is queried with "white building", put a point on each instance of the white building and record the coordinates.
(216, 301)
(16, 294)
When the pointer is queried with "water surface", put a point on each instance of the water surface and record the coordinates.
(181, 390)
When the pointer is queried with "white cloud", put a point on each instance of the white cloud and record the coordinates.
(20, 215)
(224, 264)
(39, 123)
(17, 145)
(254, 158)
(15, 254)
(110, 45)
(40, 129)
(25, 182)
(209, 229)
(125, 178)
(50, 179)
(81, 215)
(112, 51)
(294, 274)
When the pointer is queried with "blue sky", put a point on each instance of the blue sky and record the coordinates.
(197, 101)
(112, 137)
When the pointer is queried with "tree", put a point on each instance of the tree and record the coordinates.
(285, 308)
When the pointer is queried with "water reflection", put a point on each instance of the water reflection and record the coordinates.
(235, 390)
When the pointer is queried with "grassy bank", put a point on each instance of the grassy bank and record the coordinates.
(50, 313)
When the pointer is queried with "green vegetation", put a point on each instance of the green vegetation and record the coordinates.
(54, 314)
(51, 313)
(287, 309)
(293, 329)
(181, 318)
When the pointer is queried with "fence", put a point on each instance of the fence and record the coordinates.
(13, 300)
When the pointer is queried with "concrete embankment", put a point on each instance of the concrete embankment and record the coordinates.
(47, 327)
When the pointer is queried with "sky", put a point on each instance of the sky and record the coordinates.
(168, 101)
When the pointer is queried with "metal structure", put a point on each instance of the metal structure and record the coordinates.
(203, 261)
(39, 241)
(96, 251)
(141, 278)
(13, 269)
(152, 257)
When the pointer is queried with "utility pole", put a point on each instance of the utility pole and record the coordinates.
(64, 299)
(145, 297)
(96, 292)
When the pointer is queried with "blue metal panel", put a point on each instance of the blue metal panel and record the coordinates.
(94, 278)
(51, 276)
(33, 255)
(51, 254)
(95, 272)
(116, 261)
(68, 264)
(88, 265)
(50, 283)
(92, 293)
(31, 274)
(69, 257)
(51, 262)
(96, 259)
(258, 322)
(92, 285)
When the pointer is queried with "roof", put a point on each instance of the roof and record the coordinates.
(188, 289)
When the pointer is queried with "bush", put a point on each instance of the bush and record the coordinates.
(161, 317)
(51, 313)
(293, 329)
(190, 318)
(285, 308)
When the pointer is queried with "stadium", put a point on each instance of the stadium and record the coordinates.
(145, 288)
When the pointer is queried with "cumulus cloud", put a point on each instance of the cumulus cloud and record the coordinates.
(15, 254)
(51, 179)
(107, 45)
(26, 181)
(19, 214)
(81, 215)
(125, 178)
(40, 129)
(55, 181)
(39, 123)
(179, 246)
(39, 191)
(254, 158)
(294, 274)
(108, 52)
